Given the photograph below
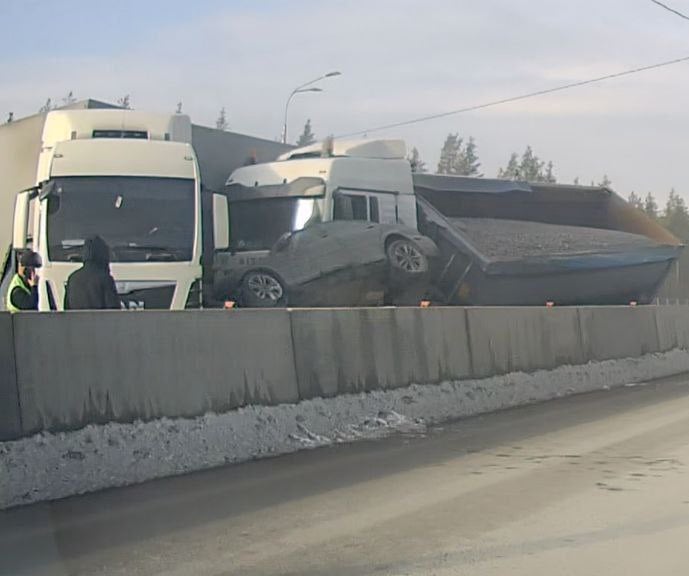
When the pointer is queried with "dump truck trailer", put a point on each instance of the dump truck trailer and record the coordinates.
(520, 243)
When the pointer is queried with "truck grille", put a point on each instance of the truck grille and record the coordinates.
(146, 295)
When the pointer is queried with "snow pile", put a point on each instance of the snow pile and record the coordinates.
(49, 466)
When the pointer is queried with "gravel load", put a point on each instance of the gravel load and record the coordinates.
(513, 239)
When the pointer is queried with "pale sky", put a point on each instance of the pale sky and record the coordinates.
(399, 59)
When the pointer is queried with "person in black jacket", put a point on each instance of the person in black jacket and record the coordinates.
(92, 287)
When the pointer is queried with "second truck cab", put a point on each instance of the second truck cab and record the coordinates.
(340, 180)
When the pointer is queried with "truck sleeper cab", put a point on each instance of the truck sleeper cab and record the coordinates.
(120, 175)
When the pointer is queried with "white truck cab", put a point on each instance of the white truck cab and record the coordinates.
(366, 180)
(133, 179)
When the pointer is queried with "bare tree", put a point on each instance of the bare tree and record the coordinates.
(69, 99)
(124, 102)
(47, 107)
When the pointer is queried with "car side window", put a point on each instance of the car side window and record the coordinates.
(350, 207)
(373, 209)
(364, 205)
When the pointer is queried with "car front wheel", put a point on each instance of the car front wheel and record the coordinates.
(262, 289)
(406, 257)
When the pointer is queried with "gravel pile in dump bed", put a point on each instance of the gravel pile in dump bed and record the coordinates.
(507, 239)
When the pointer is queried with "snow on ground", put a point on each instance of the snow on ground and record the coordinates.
(49, 466)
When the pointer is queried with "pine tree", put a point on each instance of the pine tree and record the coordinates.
(676, 216)
(449, 155)
(511, 171)
(307, 136)
(221, 123)
(635, 200)
(467, 160)
(549, 175)
(531, 167)
(415, 161)
(650, 206)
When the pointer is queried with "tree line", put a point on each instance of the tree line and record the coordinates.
(674, 216)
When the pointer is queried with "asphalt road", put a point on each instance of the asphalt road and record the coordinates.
(595, 484)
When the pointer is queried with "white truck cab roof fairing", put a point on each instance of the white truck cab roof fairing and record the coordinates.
(365, 164)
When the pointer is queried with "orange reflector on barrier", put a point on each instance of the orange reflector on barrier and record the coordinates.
(229, 304)
(424, 303)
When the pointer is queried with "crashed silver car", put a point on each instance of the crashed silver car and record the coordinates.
(341, 263)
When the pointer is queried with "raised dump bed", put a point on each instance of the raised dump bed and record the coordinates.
(515, 243)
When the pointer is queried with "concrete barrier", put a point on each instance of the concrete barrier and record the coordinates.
(345, 351)
(10, 422)
(83, 367)
(78, 368)
(619, 331)
(523, 339)
(673, 327)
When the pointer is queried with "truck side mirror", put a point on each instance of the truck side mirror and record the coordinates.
(21, 220)
(221, 223)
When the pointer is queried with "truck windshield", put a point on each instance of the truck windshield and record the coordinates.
(141, 218)
(257, 224)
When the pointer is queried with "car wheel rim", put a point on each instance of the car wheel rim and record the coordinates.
(265, 287)
(408, 258)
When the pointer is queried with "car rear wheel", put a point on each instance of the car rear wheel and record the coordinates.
(262, 289)
(406, 257)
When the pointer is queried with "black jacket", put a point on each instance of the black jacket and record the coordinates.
(91, 288)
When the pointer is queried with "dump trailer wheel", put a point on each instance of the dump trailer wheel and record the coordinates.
(262, 289)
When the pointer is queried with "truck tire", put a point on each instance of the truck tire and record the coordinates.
(262, 289)
(406, 258)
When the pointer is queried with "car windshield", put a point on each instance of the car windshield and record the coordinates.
(257, 224)
(141, 218)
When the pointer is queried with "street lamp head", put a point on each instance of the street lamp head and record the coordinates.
(334, 73)
(308, 90)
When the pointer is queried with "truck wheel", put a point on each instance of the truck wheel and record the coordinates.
(262, 289)
(406, 257)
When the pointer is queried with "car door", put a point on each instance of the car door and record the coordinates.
(311, 253)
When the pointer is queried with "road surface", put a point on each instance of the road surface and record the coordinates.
(594, 484)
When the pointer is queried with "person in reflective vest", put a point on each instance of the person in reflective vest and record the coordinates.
(23, 290)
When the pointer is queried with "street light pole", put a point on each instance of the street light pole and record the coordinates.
(300, 90)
